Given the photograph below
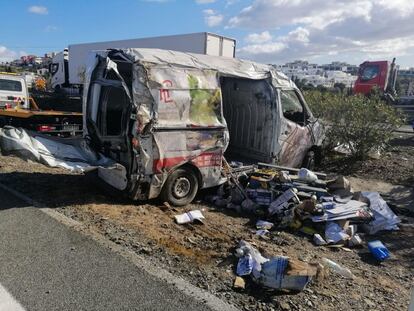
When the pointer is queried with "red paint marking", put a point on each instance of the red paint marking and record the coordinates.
(203, 160)
(165, 93)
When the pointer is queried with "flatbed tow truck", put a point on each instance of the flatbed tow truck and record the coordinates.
(18, 109)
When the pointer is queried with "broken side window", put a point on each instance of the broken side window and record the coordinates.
(292, 107)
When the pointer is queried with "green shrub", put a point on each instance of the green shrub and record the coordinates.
(361, 123)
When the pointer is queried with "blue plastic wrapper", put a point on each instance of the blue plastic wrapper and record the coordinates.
(245, 265)
(378, 250)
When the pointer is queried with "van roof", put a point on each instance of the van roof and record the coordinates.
(226, 66)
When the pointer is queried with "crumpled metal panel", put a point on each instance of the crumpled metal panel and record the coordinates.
(295, 144)
(226, 66)
(73, 154)
(188, 124)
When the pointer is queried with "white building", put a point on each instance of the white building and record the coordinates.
(325, 75)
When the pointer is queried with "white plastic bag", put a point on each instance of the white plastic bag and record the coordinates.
(384, 217)
(307, 175)
(189, 217)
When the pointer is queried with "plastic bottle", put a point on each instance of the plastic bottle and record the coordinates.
(378, 250)
(345, 272)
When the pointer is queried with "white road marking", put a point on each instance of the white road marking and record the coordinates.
(7, 302)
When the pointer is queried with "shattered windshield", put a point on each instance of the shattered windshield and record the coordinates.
(369, 73)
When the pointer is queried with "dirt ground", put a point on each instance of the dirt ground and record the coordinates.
(395, 165)
(203, 253)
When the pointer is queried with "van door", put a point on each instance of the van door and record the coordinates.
(108, 114)
(295, 134)
(250, 112)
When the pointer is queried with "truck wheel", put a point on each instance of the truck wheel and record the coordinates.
(181, 187)
(309, 161)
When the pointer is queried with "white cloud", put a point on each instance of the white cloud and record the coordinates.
(349, 29)
(205, 1)
(260, 49)
(50, 28)
(36, 9)
(212, 18)
(6, 54)
(255, 38)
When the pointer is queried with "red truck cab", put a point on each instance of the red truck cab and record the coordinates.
(381, 74)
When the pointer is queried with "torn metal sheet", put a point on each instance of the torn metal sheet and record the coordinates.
(71, 154)
(226, 66)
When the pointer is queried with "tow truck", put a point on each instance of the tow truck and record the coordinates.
(19, 109)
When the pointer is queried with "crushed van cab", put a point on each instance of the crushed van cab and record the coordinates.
(168, 118)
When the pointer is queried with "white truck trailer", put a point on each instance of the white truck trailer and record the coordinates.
(68, 67)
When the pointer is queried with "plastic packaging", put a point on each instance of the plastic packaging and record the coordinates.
(273, 275)
(244, 250)
(281, 202)
(245, 265)
(384, 217)
(334, 233)
(307, 175)
(378, 250)
(355, 240)
(318, 240)
(189, 217)
(345, 272)
(262, 224)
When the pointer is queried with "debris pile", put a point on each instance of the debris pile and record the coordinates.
(327, 211)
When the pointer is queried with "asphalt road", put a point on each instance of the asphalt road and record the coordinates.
(45, 265)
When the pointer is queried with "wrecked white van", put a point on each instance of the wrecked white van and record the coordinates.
(167, 118)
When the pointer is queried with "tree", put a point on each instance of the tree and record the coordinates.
(361, 123)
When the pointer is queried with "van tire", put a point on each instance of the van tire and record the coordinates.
(180, 187)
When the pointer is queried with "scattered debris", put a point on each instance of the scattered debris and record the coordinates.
(239, 283)
(355, 240)
(384, 217)
(378, 250)
(278, 272)
(189, 217)
(326, 210)
(265, 225)
(200, 253)
(318, 240)
(345, 272)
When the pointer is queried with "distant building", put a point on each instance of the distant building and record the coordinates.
(406, 73)
(341, 66)
(325, 75)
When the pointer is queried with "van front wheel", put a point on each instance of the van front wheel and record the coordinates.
(180, 188)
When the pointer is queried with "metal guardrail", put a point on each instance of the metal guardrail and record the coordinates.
(408, 111)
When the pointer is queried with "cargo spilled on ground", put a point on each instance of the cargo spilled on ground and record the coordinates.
(204, 253)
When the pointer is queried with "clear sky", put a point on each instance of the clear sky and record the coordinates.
(272, 31)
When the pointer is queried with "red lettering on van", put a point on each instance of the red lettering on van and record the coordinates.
(165, 93)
